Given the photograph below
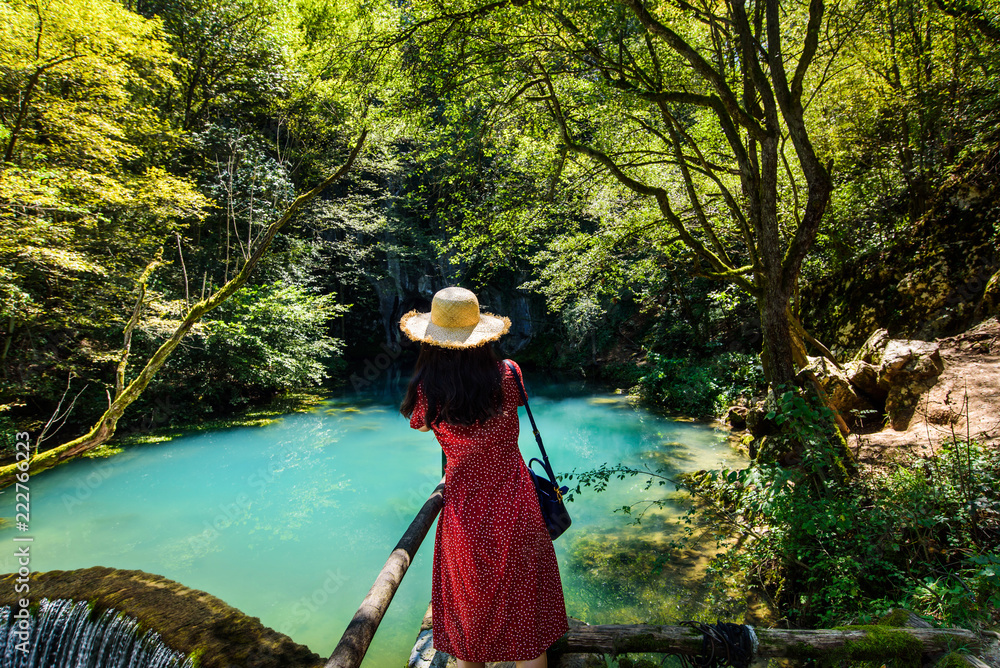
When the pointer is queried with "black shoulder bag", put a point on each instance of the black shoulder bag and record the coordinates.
(550, 494)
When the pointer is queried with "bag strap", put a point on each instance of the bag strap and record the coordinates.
(538, 437)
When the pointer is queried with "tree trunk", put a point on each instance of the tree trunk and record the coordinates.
(777, 352)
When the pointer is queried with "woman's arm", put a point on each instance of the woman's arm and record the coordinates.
(418, 418)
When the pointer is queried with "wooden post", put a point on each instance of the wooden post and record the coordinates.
(354, 643)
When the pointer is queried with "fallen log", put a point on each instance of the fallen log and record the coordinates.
(855, 643)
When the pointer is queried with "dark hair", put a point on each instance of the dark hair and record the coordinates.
(463, 385)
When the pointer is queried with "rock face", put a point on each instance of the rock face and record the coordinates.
(991, 298)
(188, 620)
(853, 405)
(936, 281)
(864, 378)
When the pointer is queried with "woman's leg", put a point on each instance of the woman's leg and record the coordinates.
(470, 664)
(539, 662)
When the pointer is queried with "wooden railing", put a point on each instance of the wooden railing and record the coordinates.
(354, 643)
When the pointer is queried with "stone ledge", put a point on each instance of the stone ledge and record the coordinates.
(188, 620)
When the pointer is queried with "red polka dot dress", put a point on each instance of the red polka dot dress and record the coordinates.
(496, 593)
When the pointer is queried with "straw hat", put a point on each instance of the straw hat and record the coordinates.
(454, 321)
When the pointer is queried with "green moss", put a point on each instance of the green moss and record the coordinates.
(149, 439)
(881, 643)
(106, 450)
(626, 662)
(802, 651)
(898, 618)
(952, 660)
(255, 416)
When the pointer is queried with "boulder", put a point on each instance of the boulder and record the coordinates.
(736, 417)
(907, 370)
(864, 377)
(990, 305)
(871, 350)
(902, 358)
(841, 393)
(757, 422)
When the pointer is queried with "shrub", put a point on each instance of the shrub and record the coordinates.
(699, 388)
(925, 536)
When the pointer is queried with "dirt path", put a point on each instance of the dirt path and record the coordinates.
(965, 401)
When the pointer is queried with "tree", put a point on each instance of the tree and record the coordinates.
(230, 58)
(126, 394)
(97, 47)
(83, 207)
(698, 111)
(262, 340)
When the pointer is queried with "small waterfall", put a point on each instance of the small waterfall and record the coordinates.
(61, 634)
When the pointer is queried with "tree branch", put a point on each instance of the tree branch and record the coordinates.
(659, 194)
(698, 64)
(957, 9)
(808, 48)
(133, 321)
(105, 427)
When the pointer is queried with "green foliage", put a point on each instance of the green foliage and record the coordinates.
(84, 205)
(191, 128)
(924, 537)
(273, 337)
(880, 644)
(807, 431)
(263, 340)
(102, 111)
(918, 97)
(230, 60)
(78, 77)
(699, 387)
(8, 435)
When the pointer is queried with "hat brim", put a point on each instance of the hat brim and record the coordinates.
(418, 327)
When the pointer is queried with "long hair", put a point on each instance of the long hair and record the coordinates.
(463, 386)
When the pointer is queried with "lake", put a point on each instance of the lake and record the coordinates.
(292, 522)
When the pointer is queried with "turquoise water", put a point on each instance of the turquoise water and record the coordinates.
(292, 522)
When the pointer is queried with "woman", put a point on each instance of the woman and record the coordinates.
(496, 593)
